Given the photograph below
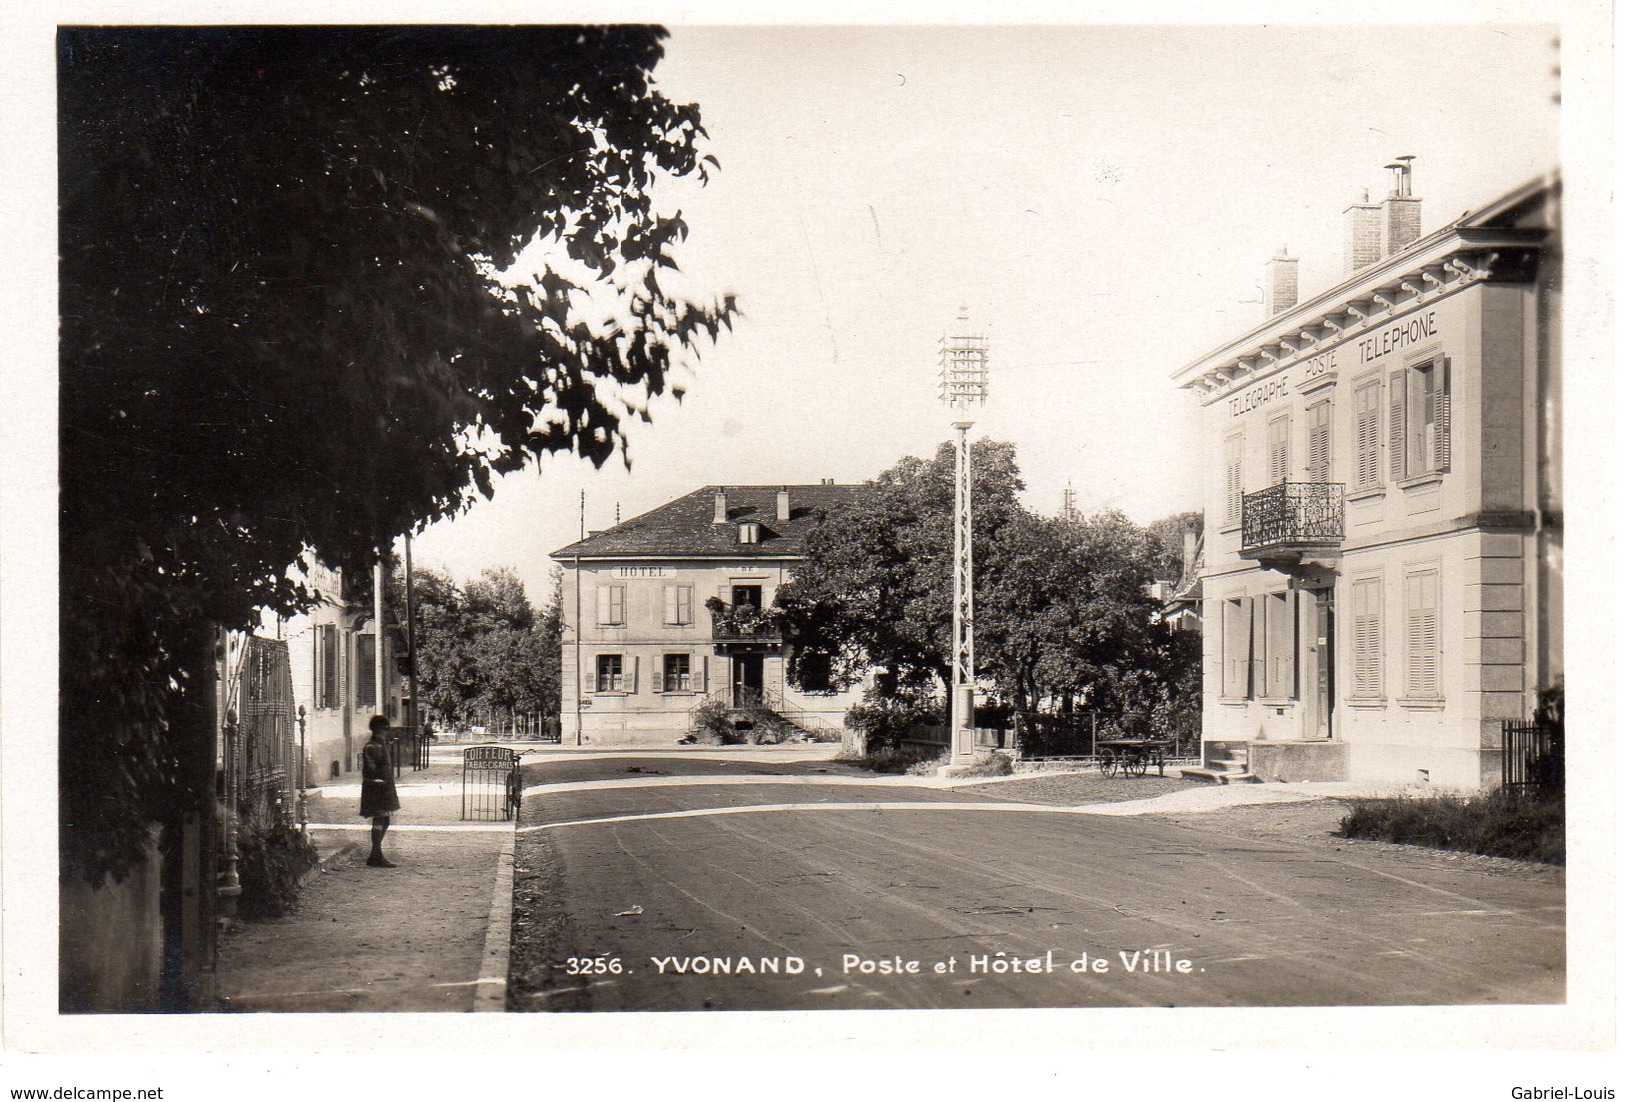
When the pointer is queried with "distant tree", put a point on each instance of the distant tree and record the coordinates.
(283, 334)
(876, 586)
(483, 651)
(1170, 536)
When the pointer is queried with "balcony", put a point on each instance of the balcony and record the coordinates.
(1291, 521)
(744, 627)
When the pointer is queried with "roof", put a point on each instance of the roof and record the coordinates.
(686, 527)
(1500, 223)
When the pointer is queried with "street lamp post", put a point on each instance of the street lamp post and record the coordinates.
(963, 388)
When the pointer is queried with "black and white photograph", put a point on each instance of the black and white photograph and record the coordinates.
(1044, 527)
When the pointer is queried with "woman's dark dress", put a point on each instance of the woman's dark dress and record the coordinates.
(377, 782)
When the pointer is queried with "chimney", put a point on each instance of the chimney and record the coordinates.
(784, 503)
(721, 502)
(1189, 557)
(1363, 244)
(1280, 283)
(1401, 211)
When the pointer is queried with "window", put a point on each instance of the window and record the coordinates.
(611, 605)
(366, 665)
(327, 666)
(1235, 627)
(1367, 465)
(750, 532)
(679, 604)
(814, 673)
(610, 678)
(1280, 448)
(1232, 479)
(747, 595)
(1422, 633)
(1367, 601)
(676, 679)
(1280, 635)
(1419, 420)
(1319, 467)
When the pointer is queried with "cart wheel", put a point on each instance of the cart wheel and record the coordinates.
(1134, 767)
(1108, 764)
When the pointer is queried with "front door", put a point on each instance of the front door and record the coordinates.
(1325, 689)
(747, 680)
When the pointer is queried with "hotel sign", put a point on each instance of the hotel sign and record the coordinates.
(642, 572)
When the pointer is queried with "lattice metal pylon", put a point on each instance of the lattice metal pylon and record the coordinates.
(964, 577)
(963, 387)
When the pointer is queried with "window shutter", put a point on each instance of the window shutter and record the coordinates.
(705, 672)
(1368, 637)
(1396, 426)
(1258, 672)
(1442, 430)
(1422, 634)
(632, 676)
(1280, 437)
(1280, 639)
(1320, 442)
(604, 605)
(1367, 405)
(589, 677)
(617, 604)
(672, 614)
(1234, 650)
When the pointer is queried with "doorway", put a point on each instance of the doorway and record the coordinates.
(747, 680)
(1323, 673)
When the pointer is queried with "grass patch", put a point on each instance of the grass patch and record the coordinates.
(1496, 825)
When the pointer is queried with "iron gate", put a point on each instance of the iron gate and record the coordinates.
(490, 782)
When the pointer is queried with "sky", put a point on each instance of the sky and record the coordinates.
(1102, 199)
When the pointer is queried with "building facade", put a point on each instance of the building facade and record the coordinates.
(663, 613)
(1383, 555)
(332, 655)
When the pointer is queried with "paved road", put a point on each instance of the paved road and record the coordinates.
(817, 892)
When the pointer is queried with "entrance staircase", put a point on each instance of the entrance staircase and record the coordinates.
(1223, 763)
(748, 707)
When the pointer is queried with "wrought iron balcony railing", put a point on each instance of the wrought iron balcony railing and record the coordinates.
(1291, 517)
(744, 624)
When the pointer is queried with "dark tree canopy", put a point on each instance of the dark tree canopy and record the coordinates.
(281, 334)
(1063, 612)
(876, 588)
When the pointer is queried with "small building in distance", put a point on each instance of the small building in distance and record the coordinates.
(664, 612)
(1383, 580)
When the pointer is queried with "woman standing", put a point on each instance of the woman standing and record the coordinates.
(378, 796)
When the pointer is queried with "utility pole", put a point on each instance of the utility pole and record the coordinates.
(414, 719)
(963, 388)
(579, 673)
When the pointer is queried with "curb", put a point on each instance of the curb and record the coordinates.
(491, 988)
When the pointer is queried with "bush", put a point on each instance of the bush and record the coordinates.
(717, 721)
(270, 866)
(1497, 825)
(885, 720)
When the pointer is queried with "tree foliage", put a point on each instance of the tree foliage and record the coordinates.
(283, 333)
(876, 589)
(1062, 611)
(483, 650)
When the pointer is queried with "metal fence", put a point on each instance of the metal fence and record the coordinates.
(1531, 758)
